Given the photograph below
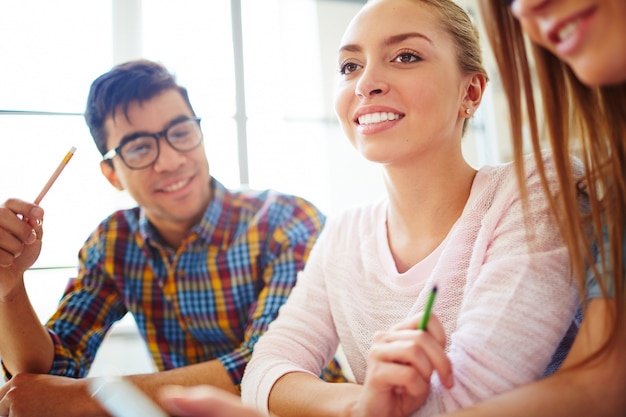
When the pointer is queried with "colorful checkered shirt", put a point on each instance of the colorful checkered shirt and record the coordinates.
(213, 297)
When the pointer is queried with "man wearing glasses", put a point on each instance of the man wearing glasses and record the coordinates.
(202, 269)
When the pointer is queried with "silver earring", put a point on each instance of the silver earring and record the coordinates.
(468, 111)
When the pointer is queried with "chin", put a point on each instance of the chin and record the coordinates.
(600, 76)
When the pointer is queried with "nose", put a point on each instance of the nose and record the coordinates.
(169, 158)
(526, 8)
(371, 83)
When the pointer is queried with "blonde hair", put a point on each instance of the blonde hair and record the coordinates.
(466, 38)
(586, 121)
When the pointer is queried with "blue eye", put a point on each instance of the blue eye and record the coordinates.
(348, 67)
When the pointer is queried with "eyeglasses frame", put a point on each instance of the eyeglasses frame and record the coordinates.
(108, 157)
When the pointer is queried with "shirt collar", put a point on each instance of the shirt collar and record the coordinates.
(206, 229)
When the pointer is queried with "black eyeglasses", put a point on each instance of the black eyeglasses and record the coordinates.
(142, 150)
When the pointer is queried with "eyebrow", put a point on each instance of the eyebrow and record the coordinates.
(134, 135)
(391, 40)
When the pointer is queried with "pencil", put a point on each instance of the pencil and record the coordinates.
(55, 175)
(428, 308)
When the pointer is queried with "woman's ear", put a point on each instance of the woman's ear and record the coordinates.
(106, 167)
(473, 93)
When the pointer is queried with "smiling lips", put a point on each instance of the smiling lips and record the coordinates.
(378, 117)
(176, 186)
(567, 29)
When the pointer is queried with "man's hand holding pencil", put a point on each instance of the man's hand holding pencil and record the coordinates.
(20, 241)
(21, 233)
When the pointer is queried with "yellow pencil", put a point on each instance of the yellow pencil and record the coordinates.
(55, 175)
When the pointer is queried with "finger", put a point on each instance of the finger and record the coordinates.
(415, 347)
(12, 225)
(37, 230)
(406, 352)
(410, 323)
(12, 245)
(433, 343)
(402, 379)
(24, 208)
(6, 260)
(435, 328)
(4, 400)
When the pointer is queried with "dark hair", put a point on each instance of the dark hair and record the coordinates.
(115, 90)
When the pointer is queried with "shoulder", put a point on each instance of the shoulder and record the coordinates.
(535, 168)
(545, 164)
(271, 202)
(272, 209)
(350, 233)
(120, 226)
(356, 221)
(126, 220)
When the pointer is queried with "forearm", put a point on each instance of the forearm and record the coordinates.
(300, 395)
(579, 389)
(38, 395)
(26, 345)
(564, 394)
(207, 373)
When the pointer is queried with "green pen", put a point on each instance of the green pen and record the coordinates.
(429, 306)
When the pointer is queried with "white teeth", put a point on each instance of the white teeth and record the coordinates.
(567, 30)
(371, 118)
(176, 186)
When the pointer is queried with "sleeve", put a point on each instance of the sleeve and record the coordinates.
(302, 338)
(516, 308)
(293, 226)
(604, 267)
(90, 305)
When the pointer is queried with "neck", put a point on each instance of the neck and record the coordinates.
(424, 204)
(173, 231)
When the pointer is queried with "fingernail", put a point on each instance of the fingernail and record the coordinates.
(36, 212)
(32, 237)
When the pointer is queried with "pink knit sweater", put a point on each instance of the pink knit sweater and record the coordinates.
(505, 301)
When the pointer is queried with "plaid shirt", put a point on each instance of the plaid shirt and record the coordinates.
(212, 297)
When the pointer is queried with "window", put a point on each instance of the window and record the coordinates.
(58, 47)
(51, 52)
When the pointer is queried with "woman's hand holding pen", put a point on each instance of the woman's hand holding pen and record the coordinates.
(400, 364)
(20, 241)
